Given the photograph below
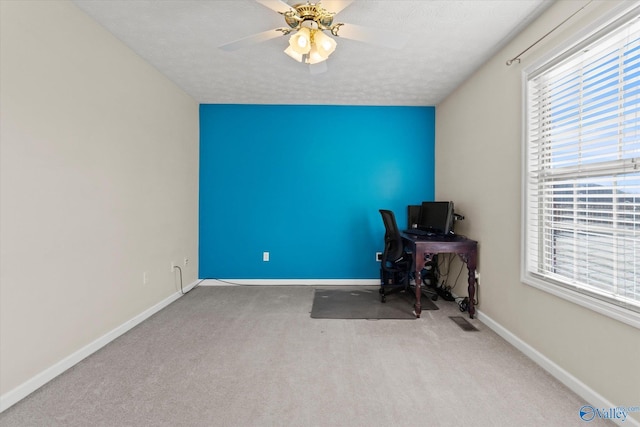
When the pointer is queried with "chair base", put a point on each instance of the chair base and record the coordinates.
(391, 282)
(395, 281)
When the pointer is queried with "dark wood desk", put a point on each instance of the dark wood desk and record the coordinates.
(428, 246)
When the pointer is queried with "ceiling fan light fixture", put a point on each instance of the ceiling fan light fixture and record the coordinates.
(309, 43)
(315, 56)
(324, 44)
(293, 54)
(300, 42)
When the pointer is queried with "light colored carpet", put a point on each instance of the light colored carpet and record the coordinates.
(252, 356)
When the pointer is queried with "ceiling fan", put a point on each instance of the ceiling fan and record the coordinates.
(308, 23)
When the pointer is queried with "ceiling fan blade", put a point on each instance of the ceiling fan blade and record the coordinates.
(335, 6)
(251, 40)
(318, 68)
(374, 36)
(275, 5)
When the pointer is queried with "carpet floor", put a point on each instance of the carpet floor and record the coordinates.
(253, 356)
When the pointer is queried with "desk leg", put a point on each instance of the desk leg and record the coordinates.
(418, 277)
(471, 266)
(418, 305)
(472, 292)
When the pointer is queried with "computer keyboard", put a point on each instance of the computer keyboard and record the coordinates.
(417, 232)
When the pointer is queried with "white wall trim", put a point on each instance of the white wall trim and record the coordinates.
(290, 282)
(581, 389)
(14, 396)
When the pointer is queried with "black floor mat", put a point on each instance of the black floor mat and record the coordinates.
(364, 303)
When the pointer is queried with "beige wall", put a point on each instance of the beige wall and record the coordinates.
(478, 152)
(99, 184)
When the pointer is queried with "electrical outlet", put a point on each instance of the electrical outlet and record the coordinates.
(185, 261)
(173, 266)
(145, 278)
(477, 275)
(265, 256)
(379, 256)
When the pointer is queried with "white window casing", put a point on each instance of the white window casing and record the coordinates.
(581, 171)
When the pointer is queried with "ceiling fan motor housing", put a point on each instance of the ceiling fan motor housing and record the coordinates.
(308, 12)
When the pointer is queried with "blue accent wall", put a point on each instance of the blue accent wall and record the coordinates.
(309, 194)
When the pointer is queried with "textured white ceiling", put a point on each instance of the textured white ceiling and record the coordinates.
(448, 40)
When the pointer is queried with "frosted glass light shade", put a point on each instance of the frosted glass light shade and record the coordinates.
(315, 56)
(324, 44)
(293, 54)
(300, 42)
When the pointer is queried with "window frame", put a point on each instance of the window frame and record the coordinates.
(617, 17)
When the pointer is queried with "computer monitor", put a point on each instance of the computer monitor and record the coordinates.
(436, 217)
(413, 215)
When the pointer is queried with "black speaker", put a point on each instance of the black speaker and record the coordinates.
(413, 215)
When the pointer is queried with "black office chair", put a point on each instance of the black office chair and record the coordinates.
(395, 269)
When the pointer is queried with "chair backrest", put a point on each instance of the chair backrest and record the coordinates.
(393, 247)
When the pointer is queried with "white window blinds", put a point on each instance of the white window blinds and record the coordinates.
(582, 167)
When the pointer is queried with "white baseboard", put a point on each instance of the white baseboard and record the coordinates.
(14, 396)
(581, 389)
(290, 282)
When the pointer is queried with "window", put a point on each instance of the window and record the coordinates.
(582, 170)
